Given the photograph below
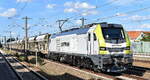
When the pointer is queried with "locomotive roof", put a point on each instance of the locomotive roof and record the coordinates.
(111, 25)
(84, 30)
(105, 25)
(76, 31)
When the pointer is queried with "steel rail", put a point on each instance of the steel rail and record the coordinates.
(16, 73)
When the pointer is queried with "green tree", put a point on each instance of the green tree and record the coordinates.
(146, 37)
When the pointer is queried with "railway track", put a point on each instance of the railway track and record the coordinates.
(136, 72)
(102, 75)
(105, 76)
(23, 71)
(132, 74)
(141, 68)
(16, 75)
(96, 76)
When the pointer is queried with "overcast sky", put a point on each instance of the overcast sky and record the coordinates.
(132, 14)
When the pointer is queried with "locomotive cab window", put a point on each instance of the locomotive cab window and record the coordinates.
(113, 33)
(94, 37)
(89, 36)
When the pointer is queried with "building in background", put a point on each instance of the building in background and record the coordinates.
(140, 41)
(139, 36)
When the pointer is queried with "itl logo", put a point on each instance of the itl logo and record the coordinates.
(116, 45)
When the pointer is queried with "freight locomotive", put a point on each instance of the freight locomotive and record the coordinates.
(99, 46)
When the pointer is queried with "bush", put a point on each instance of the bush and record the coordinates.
(39, 60)
(22, 58)
(17, 55)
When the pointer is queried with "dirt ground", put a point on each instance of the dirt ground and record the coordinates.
(55, 71)
(143, 62)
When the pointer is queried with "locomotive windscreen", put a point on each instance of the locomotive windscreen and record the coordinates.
(113, 34)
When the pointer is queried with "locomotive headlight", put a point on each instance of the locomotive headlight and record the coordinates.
(127, 48)
(103, 48)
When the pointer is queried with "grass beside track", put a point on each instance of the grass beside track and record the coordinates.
(22, 57)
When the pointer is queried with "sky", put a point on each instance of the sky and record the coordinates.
(134, 15)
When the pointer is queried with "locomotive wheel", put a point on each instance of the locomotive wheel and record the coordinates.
(95, 68)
